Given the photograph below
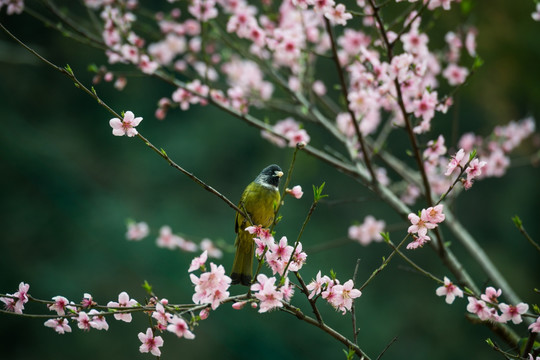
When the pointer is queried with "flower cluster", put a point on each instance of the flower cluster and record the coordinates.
(473, 170)
(488, 307)
(370, 230)
(277, 255)
(269, 295)
(492, 156)
(137, 231)
(15, 302)
(167, 239)
(211, 287)
(12, 6)
(290, 131)
(341, 297)
(427, 219)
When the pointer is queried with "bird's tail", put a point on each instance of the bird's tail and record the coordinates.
(242, 269)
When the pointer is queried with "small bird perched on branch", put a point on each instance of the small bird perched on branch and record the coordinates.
(259, 202)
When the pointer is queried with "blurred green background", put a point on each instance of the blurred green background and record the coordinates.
(68, 186)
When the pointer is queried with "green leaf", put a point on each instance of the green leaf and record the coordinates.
(93, 68)
(490, 342)
(68, 69)
(317, 192)
(163, 151)
(147, 287)
(478, 62)
(517, 222)
(466, 7)
(385, 236)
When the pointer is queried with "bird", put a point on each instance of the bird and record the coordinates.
(259, 202)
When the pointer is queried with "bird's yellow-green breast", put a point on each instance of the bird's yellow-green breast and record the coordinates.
(259, 201)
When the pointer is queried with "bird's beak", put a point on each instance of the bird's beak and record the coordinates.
(279, 173)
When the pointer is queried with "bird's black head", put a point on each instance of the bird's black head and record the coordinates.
(270, 175)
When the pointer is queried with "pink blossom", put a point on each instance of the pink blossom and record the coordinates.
(161, 315)
(261, 280)
(491, 295)
(137, 231)
(59, 305)
(535, 326)
(211, 287)
(536, 15)
(15, 302)
(13, 6)
(329, 294)
(337, 14)
(179, 327)
(260, 246)
(147, 65)
(399, 67)
(316, 286)
(167, 239)
(425, 107)
(267, 294)
(412, 192)
(449, 290)
(129, 53)
(87, 301)
(435, 149)
(278, 255)
(213, 251)
(435, 214)
(418, 241)
(239, 305)
(456, 75)
(318, 88)
(125, 126)
(420, 224)
(290, 129)
(414, 42)
(474, 169)
(455, 161)
(470, 41)
(296, 191)
(83, 321)
(123, 301)
(198, 262)
(263, 234)
(298, 259)
(370, 230)
(287, 290)
(479, 308)
(204, 313)
(344, 296)
(512, 312)
(352, 41)
(59, 325)
(98, 321)
(150, 343)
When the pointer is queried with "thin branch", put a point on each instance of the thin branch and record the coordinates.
(69, 73)
(345, 92)
(336, 335)
(311, 301)
(353, 308)
(387, 347)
